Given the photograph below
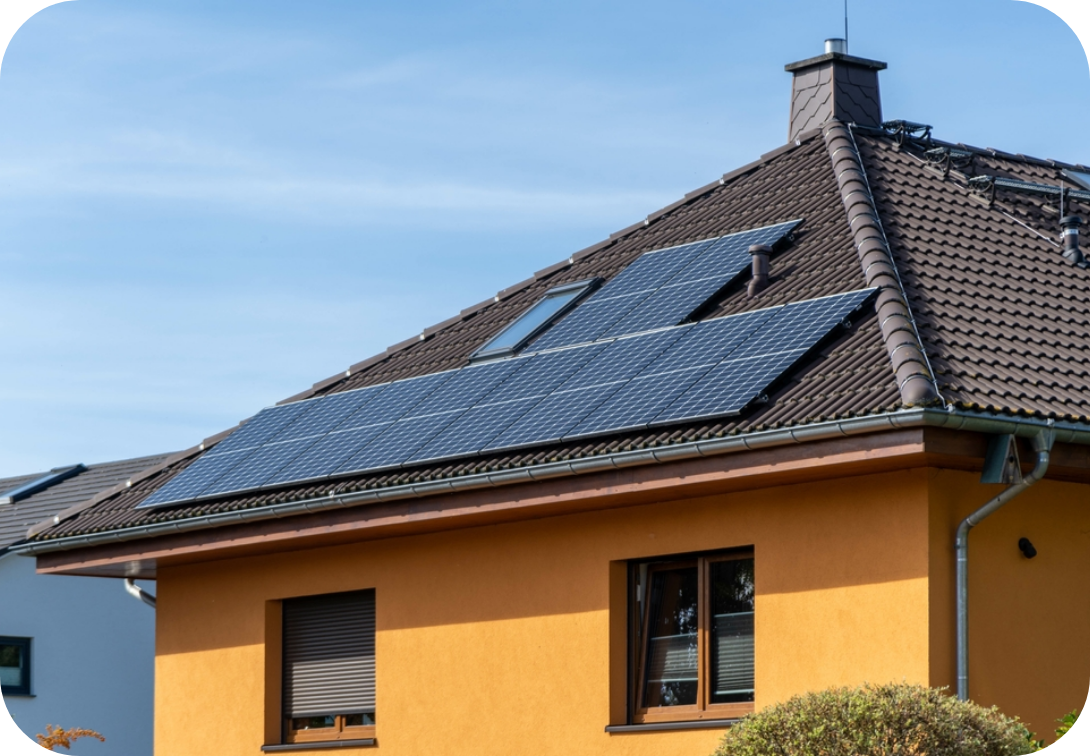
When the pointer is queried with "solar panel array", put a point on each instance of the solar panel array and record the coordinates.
(708, 369)
(661, 288)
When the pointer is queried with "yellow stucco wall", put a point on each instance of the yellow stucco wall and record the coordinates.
(497, 640)
(1029, 620)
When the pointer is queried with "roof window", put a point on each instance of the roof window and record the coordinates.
(548, 310)
(51, 478)
(1082, 178)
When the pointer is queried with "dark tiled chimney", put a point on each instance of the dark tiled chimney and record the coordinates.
(834, 85)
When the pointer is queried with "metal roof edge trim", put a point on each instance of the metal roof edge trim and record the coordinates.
(912, 418)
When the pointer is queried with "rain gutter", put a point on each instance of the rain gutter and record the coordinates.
(912, 418)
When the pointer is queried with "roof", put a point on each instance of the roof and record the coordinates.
(19, 516)
(978, 311)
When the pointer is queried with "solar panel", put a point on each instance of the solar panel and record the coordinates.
(712, 368)
(509, 401)
(623, 293)
(225, 455)
(661, 288)
(718, 264)
(762, 358)
(401, 440)
(554, 416)
(701, 348)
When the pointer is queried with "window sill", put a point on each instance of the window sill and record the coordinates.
(321, 745)
(699, 724)
(12, 694)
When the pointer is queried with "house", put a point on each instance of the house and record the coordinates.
(73, 653)
(730, 454)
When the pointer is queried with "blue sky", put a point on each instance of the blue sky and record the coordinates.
(208, 206)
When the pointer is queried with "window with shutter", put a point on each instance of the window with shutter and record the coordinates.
(329, 667)
(692, 644)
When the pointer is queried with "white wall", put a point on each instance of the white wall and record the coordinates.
(92, 656)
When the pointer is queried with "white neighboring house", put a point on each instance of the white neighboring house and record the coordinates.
(73, 652)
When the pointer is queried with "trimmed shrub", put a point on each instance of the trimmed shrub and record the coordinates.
(877, 720)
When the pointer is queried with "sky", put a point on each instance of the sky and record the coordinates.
(206, 207)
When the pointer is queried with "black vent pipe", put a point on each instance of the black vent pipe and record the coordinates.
(1072, 253)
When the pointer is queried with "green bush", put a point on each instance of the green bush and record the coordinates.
(877, 720)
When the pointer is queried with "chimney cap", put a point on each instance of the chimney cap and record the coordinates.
(836, 44)
(851, 60)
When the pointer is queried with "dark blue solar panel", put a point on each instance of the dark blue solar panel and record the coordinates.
(713, 368)
(718, 264)
(190, 482)
(630, 287)
(702, 347)
(261, 427)
(555, 415)
(541, 375)
(792, 331)
(401, 440)
(324, 414)
(328, 453)
(226, 455)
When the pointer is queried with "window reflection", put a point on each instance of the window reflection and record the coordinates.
(673, 638)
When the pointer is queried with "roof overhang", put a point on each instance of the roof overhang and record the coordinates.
(856, 446)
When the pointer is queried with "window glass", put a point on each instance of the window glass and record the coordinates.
(535, 319)
(731, 586)
(15, 665)
(672, 638)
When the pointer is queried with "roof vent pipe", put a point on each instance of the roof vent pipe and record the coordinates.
(759, 282)
(836, 45)
(1072, 253)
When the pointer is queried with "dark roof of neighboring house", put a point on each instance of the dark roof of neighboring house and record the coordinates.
(1003, 321)
(19, 516)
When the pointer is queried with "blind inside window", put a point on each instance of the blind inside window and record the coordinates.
(733, 673)
(329, 655)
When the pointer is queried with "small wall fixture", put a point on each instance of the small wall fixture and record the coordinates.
(1027, 548)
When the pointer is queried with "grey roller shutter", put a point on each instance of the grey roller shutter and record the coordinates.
(329, 655)
(733, 654)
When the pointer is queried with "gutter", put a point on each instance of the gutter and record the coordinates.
(1042, 446)
(136, 591)
(912, 418)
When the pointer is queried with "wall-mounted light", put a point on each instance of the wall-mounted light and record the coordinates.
(1027, 548)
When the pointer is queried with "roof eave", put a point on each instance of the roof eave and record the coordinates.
(909, 418)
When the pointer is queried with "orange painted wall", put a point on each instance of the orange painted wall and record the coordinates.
(1029, 620)
(496, 639)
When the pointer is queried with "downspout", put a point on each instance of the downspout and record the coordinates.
(138, 592)
(1042, 446)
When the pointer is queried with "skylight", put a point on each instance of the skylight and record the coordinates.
(40, 484)
(555, 303)
(1082, 178)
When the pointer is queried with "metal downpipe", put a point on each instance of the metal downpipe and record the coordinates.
(134, 590)
(1042, 446)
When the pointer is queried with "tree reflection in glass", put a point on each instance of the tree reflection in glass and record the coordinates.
(672, 638)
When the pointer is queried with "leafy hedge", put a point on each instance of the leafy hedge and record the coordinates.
(877, 720)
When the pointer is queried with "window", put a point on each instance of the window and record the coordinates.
(549, 309)
(692, 645)
(15, 666)
(329, 667)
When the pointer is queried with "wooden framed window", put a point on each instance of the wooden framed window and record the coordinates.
(692, 640)
(15, 666)
(329, 668)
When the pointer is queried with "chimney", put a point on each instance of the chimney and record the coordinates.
(834, 85)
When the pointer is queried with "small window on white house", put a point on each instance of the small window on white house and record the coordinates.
(555, 304)
(15, 666)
